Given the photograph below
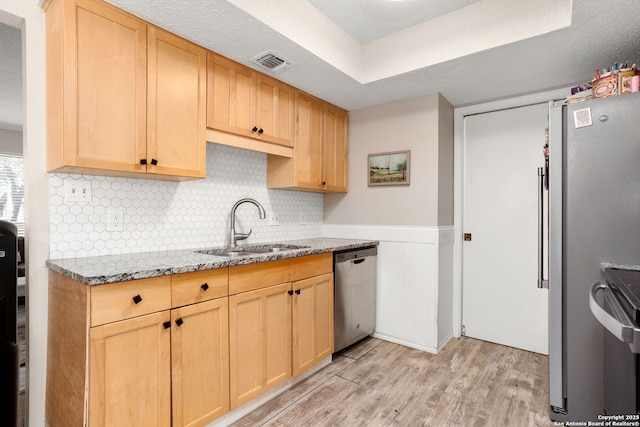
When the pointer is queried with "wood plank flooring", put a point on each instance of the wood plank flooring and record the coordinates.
(378, 383)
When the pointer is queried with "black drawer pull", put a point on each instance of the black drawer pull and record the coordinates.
(260, 131)
(143, 161)
(154, 162)
(254, 129)
(290, 292)
(137, 299)
(179, 322)
(204, 286)
(297, 291)
(166, 325)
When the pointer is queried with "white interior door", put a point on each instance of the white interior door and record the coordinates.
(501, 301)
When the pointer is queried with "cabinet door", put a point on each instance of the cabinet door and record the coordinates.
(103, 61)
(308, 142)
(312, 321)
(176, 106)
(259, 341)
(200, 362)
(130, 372)
(231, 96)
(274, 111)
(335, 149)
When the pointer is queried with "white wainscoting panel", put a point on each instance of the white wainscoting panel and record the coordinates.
(415, 282)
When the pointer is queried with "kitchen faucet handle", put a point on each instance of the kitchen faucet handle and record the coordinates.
(243, 236)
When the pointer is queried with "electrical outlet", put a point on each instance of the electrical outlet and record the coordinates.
(77, 191)
(274, 220)
(115, 221)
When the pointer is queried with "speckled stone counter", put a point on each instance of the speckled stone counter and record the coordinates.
(118, 268)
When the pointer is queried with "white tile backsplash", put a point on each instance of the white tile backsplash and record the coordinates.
(164, 215)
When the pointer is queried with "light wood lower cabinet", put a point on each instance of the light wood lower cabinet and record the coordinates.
(200, 362)
(260, 341)
(129, 372)
(183, 350)
(312, 321)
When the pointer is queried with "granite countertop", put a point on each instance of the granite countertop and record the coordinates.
(118, 268)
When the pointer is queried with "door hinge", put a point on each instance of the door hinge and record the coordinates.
(464, 330)
(467, 237)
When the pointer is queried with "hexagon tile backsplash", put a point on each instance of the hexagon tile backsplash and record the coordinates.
(164, 215)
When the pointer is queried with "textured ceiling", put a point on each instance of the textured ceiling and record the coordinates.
(368, 20)
(358, 53)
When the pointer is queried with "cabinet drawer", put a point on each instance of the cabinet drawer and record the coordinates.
(310, 266)
(243, 278)
(118, 301)
(190, 288)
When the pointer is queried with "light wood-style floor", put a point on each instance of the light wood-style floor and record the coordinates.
(378, 383)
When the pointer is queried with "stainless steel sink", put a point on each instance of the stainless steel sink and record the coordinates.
(274, 248)
(238, 251)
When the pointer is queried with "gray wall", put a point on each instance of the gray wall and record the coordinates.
(423, 125)
(11, 142)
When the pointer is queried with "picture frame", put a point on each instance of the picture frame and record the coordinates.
(390, 168)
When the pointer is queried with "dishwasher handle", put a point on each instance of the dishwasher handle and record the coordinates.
(358, 261)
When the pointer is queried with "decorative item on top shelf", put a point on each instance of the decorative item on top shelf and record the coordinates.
(389, 168)
(616, 80)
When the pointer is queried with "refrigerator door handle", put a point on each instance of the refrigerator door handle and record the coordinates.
(618, 323)
(542, 282)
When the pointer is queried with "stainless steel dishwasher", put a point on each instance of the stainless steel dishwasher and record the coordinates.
(355, 295)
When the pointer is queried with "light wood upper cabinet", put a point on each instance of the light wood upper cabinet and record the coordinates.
(231, 96)
(200, 362)
(335, 150)
(245, 103)
(112, 95)
(319, 161)
(274, 110)
(176, 107)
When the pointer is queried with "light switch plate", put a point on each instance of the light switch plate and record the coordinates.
(77, 190)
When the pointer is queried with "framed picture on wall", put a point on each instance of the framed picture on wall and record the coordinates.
(389, 168)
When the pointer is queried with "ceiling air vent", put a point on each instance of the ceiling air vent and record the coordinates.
(272, 61)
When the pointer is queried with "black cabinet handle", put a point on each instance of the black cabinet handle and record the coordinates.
(297, 291)
(260, 131)
(204, 286)
(154, 162)
(179, 322)
(290, 292)
(324, 183)
(137, 299)
(254, 129)
(143, 161)
(166, 325)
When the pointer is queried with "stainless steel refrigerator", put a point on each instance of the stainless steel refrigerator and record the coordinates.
(594, 217)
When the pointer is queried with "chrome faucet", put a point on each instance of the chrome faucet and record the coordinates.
(241, 236)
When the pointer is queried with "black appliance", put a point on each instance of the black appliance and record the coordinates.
(618, 310)
(9, 352)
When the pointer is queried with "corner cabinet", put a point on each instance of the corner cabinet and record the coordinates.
(110, 110)
(320, 151)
